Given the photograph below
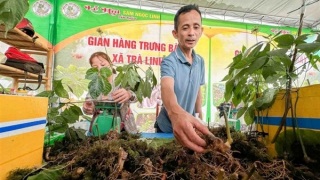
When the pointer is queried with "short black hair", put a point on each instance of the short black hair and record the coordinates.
(183, 10)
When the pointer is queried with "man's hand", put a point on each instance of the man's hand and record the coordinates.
(183, 125)
(121, 95)
(88, 107)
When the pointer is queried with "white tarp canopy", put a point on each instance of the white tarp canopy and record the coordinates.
(276, 12)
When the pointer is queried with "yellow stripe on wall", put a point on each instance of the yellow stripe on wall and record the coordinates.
(30, 160)
(20, 145)
(307, 106)
(14, 107)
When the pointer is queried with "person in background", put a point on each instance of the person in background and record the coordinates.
(124, 97)
(182, 74)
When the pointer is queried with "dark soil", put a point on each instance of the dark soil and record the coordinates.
(124, 156)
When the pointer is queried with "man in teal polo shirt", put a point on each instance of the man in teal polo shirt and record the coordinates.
(182, 74)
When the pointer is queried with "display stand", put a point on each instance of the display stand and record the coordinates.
(26, 44)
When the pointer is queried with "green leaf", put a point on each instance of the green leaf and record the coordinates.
(59, 70)
(45, 94)
(301, 39)
(154, 80)
(70, 89)
(71, 134)
(72, 68)
(286, 61)
(139, 92)
(276, 64)
(105, 72)
(273, 78)
(118, 79)
(59, 89)
(244, 62)
(265, 50)
(257, 64)
(245, 93)
(243, 49)
(240, 75)
(267, 105)
(60, 120)
(267, 96)
(241, 111)
(293, 76)
(52, 113)
(53, 99)
(92, 73)
(97, 86)
(149, 74)
(236, 59)
(71, 114)
(106, 86)
(12, 12)
(255, 51)
(119, 69)
(229, 90)
(278, 33)
(267, 71)
(227, 77)
(51, 174)
(309, 47)
(81, 133)
(231, 71)
(77, 85)
(134, 77)
(236, 99)
(88, 118)
(125, 67)
(259, 102)
(313, 61)
(60, 128)
(285, 40)
(249, 115)
(246, 53)
(147, 89)
(124, 81)
(278, 52)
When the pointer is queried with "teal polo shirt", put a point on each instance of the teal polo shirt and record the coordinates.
(187, 80)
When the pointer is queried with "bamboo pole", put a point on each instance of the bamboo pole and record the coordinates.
(49, 69)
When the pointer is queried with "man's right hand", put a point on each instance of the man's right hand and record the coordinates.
(183, 125)
(88, 107)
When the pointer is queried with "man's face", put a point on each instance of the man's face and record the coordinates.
(189, 29)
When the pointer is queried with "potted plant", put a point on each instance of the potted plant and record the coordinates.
(262, 71)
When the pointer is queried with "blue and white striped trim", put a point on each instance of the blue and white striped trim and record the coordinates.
(21, 126)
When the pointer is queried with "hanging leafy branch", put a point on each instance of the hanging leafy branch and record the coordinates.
(12, 12)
